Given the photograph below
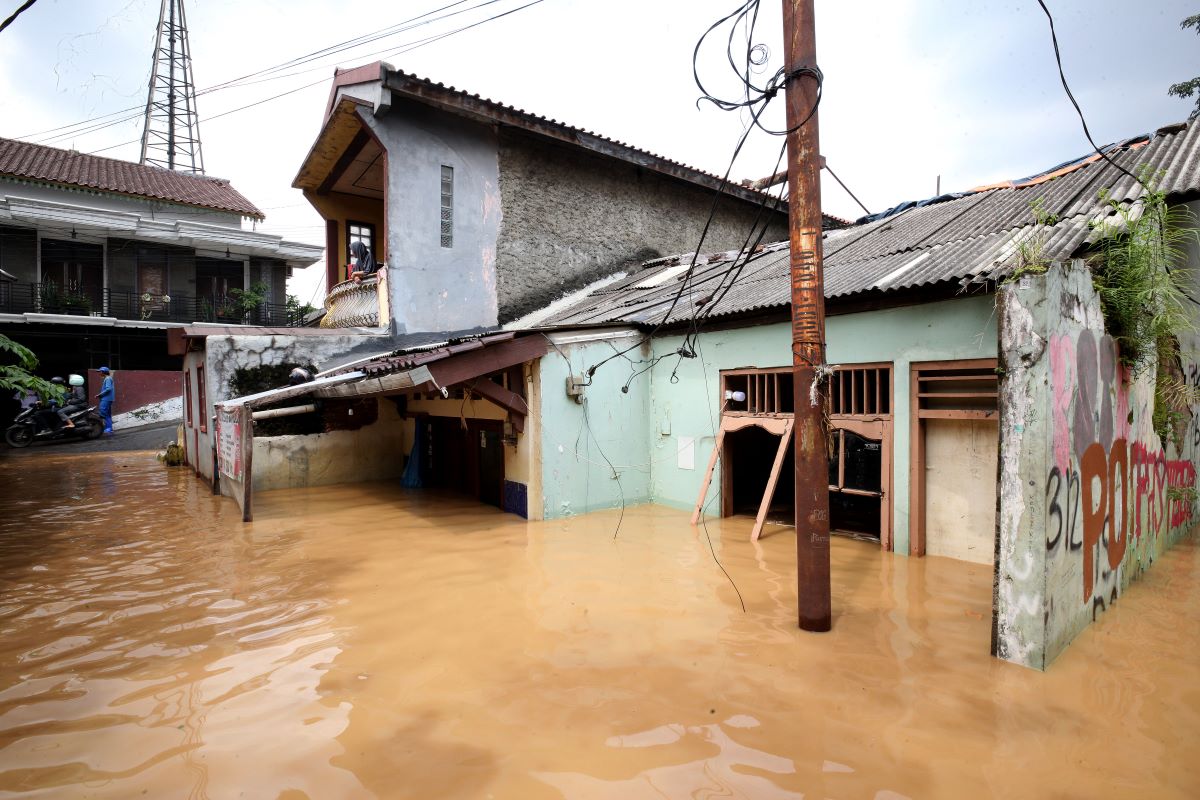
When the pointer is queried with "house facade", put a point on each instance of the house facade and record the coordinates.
(484, 212)
(973, 386)
(101, 256)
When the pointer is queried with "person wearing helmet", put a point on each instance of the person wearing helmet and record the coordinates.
(52, 416)
(106, 397)
(74, 400)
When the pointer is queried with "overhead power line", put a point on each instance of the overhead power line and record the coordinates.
(104, 121)
(12, 17)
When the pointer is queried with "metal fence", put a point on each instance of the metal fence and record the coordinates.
(47, 298)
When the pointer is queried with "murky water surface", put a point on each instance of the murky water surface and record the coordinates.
(363, 642)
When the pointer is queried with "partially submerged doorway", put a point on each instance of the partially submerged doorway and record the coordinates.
(757, 464)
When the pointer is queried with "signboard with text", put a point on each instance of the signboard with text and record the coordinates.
(229, 442)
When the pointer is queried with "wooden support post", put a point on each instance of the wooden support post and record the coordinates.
(712, 463)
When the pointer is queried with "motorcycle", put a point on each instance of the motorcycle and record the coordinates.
(31, 426)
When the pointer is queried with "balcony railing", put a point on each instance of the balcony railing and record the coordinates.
(44, 298)
(353, 305)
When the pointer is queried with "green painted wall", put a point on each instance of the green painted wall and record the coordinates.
(575, 477)
(952, 329)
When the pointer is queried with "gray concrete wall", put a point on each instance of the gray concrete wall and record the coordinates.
(1089, 494)
(572, 217)
(434, 288)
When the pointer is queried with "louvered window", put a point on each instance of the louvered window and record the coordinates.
(447, 206)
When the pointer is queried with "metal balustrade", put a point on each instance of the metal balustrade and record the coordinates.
(353, 305)
(48, 298)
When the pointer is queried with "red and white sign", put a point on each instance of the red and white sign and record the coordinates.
(229, 442)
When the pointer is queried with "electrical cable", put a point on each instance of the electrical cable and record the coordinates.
(13, 17)
(1062, 76)
(757, 99)
(95, 124)
(1082, 121)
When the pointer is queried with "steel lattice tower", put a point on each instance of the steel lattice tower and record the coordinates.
(171, 130)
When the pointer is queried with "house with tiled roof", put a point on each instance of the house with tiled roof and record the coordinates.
(100, 256)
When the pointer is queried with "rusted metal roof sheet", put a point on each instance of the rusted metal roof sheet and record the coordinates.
(970, 238)
(36, 162)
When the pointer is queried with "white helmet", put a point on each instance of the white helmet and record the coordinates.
(76, 380)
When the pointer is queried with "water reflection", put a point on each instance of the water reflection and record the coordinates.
(359, 641)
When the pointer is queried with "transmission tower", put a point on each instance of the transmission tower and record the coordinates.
(171, 131)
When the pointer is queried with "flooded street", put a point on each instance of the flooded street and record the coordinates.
(361, 641)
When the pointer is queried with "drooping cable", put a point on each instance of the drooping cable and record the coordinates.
(13, 16)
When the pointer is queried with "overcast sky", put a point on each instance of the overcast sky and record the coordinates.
(913, 90)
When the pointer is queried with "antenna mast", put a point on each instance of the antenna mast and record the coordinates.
(171, 130)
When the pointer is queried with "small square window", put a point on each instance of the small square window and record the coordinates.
(447, 206)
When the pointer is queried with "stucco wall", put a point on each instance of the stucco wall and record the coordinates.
(951, 329)
(374, 452)
(575, 477)
(1086, 500)
(225, 354)
(435, 288)
(572, 217)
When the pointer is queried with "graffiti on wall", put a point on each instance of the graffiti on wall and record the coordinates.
(1109, 486)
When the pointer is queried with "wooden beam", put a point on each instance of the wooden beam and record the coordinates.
(511, 402)
(345, 160)
(769, 493)
(486, 360)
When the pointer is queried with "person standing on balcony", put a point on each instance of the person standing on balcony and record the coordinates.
(106, 397)
(361, 262)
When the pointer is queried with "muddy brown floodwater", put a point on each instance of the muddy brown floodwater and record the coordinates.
(361, 641)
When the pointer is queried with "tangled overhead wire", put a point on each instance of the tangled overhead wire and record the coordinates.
(755, 99)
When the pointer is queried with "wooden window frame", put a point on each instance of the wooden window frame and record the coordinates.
(201, 398)
(916, 439)
(763, 389)
(187, 397)
(372, 246)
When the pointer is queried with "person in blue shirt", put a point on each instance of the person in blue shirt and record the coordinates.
(106, 397)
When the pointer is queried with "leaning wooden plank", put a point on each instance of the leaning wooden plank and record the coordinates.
(785, 440)
(712, 463)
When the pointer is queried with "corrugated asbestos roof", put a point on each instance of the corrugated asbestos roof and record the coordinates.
(966, 238)
(38, 162)
(413, 356)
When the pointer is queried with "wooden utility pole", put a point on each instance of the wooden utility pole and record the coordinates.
(808, 317)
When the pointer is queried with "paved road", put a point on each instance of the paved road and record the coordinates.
(148, 437)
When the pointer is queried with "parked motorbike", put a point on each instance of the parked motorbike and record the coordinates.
(31, 425)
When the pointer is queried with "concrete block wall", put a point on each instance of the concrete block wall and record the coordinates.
(1089, 494)
(571, 218)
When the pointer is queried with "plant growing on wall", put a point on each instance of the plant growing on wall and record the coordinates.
(1142, 288)
(1143, 291)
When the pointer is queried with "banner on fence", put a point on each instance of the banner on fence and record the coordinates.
(229, 442)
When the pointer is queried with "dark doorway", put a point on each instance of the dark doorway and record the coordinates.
(469, 460)
(749, 454)
(215, 278)
(491, 464)
(72, 277)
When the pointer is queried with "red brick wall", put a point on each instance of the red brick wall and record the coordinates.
(137, 387)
